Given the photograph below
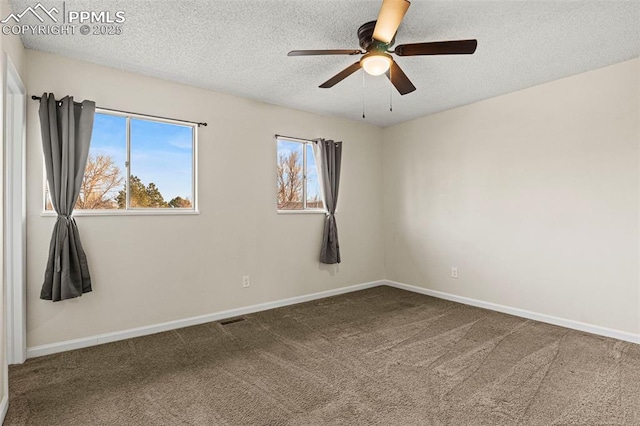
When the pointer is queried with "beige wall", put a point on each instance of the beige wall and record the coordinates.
(11, 46)
(152, 269)
(534, 196)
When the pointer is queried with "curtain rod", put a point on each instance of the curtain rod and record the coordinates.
(295, 139)
(37, 98)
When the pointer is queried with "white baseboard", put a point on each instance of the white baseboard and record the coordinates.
(549, 319)
(85, 342)
(4, 406)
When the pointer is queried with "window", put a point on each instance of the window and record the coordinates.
(297, 176)
(138, 164)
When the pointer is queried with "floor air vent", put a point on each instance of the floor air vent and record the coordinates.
(231, 321)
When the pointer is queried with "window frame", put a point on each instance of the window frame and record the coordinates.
(133, 211)
(305, 209)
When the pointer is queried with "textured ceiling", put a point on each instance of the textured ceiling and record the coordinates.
(241, 46)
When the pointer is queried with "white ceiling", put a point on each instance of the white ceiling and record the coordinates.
(241, 46)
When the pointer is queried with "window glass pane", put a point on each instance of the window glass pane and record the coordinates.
(104, 176)
(289, 175)
(47, 198)
(161, 165)
(314, 197)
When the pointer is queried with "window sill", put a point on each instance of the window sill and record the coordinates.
(149, 212)
(302, 212)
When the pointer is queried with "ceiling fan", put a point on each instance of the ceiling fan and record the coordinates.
(376, 37)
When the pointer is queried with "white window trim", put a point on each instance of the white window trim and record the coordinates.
(308, 211)
(305, 210)
(128, 211)
(122, 212)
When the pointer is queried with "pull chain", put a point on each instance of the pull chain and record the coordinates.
(390, 92)
(363, 116)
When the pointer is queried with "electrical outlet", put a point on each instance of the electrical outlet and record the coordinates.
(454, 272)
(246, 282)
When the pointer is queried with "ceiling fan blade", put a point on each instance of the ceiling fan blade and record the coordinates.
(456, 47)
(341, 75)
(399, 79)
(389, 18)
(323, 52)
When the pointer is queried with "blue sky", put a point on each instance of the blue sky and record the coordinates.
(160, 153)
(286, 147)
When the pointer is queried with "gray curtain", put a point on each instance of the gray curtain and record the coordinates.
(66, 134)
(328, 160)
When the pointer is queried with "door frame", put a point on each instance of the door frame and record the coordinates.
(15, 113)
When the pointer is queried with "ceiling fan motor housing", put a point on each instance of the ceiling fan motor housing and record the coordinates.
(365, 35)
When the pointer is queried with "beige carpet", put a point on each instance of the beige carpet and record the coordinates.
(376, 357)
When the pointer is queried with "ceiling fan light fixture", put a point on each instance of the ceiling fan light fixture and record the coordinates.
(376, 63)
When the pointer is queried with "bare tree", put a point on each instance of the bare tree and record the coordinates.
(315, 202)
(101, 178)
(289, 178)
